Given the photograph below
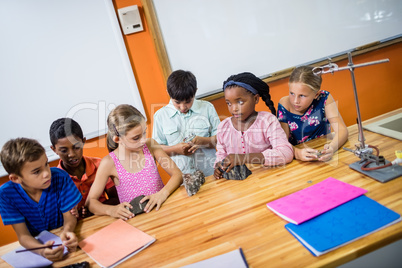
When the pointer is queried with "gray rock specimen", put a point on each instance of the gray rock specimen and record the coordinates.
(193, 182)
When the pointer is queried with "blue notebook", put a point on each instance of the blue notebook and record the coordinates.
(343, 224)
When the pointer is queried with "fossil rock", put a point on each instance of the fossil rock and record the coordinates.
(193, 182)
(240, 172)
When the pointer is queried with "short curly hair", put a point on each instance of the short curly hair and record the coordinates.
(64, 127)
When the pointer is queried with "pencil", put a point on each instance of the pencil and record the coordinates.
(29, 249)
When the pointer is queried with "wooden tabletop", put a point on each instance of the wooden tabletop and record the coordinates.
(225, 215)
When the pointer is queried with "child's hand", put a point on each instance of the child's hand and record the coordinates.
(74, 212)
(53, 253)
(196, 143)
(218, 170)
(307, 154)
(156, 199)
(69, 240)
(193, 148)
(84, 212)
(231, 161)
(183, 148)
(326, 153)
(121, 211)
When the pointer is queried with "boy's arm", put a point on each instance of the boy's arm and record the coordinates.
(160, 138)
(68, 236)
(28, 241)
(204, 142)
(178, 149)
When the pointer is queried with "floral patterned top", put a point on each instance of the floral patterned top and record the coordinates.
(312, 124)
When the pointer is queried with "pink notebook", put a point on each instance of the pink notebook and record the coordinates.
(314, 200)
(115, 243)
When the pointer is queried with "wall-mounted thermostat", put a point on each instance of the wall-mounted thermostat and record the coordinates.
(130, 19)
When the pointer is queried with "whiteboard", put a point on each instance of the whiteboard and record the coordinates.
(217, 38)
(61, 58)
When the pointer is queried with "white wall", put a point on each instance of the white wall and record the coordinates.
(217, 38)
(61, 58)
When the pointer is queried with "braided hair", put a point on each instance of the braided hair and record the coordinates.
(257, 85)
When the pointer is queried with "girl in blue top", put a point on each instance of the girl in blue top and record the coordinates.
(308, 113)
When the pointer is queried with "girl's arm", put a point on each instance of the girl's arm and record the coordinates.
(28, 241)
(282, 151)
(221, 153)
(303, 154)
(171, 168)
(233, 160)
(285, 127)
(106, 169)
(339, 127)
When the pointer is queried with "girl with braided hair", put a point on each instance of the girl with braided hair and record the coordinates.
(249, 136)
(308, 113)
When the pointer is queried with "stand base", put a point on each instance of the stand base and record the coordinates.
(381, 175)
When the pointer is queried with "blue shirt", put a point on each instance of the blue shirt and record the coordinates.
(312, 124)
(60, 197)
(171, 127)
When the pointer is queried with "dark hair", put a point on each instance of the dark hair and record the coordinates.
(64, 127)
(181, 85)
(121, 119)
(305, 75)
(260, 86)
(16, 152)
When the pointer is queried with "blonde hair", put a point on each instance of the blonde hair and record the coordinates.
(305, 75)
(121, 119)
(16, 152)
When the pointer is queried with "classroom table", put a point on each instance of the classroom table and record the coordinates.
(225, 215)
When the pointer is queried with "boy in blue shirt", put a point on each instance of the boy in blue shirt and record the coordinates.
(37, 197)
(182, 117)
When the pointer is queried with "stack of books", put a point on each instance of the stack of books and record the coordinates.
(330, 214)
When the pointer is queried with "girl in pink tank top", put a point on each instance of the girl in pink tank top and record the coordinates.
(144, 182)
(131, 164)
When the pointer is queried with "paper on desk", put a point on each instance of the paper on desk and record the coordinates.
(232, 259)
(29, 258)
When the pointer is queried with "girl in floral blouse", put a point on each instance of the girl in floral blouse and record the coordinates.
(308, 113)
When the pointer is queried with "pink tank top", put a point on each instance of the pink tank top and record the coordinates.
(145, 182)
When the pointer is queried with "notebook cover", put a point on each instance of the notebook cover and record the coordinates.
(310, 202)
(28, 258)
(232, 259)
(343, 224)
(115, 243)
